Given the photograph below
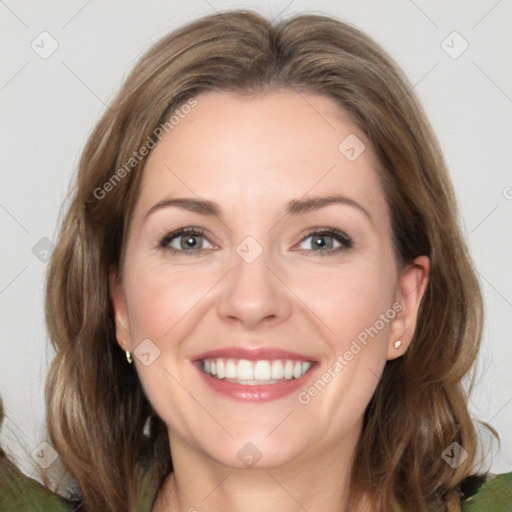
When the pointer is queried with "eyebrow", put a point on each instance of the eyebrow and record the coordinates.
(293, 207)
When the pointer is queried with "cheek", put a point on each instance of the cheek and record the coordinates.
(161, 302)
(348, 301)
(354, 307)
(161, 296)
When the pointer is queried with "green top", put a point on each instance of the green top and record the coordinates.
(20, 493)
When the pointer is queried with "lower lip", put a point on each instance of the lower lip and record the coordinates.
(255, 393)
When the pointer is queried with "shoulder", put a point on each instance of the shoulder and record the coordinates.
(148, 493)
(487, 493)
(20, 493)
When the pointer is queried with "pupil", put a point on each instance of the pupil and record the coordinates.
(320, 241)
(190, 238)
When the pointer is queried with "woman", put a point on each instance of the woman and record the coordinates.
(260, 297)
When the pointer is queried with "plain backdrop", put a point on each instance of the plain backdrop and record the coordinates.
(63, 61)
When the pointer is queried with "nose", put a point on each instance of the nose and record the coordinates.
(254, 293)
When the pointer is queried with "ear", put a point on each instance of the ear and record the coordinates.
(117, 297)
(411, 287)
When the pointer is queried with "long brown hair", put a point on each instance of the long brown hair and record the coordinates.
(96, 407)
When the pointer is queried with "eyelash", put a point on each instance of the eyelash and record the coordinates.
(345, 241)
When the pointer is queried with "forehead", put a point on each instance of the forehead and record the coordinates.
(265, 148)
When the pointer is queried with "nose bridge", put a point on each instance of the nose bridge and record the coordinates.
(252, 292)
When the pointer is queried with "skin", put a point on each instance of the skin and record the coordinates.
(251, 155)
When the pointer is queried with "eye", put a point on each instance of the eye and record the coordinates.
(187, 241)
(190, 241)
(324, 241)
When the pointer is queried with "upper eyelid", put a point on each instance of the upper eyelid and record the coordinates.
(172, 235)
(346, 240)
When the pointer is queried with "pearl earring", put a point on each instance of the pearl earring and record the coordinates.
(398, 343)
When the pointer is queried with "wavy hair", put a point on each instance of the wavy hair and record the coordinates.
(97, 409)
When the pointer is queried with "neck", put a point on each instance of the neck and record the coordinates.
(201, 484)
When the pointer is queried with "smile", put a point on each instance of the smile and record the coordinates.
(254, 373)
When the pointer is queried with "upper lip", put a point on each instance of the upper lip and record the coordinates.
(253, 354)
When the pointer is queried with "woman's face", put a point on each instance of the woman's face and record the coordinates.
(270, 280)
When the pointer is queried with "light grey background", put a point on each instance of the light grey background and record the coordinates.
(49, 106)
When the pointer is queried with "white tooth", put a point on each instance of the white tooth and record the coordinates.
(206, 366)
(305, 367)
(230, 369)
(221, 372)
(262, 370)
(213, 369)
(277, 369)
(297, 370)
(288, 369)
(244, 370)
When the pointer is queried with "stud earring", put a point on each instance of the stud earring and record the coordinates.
(398, 343)
(127, 353)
